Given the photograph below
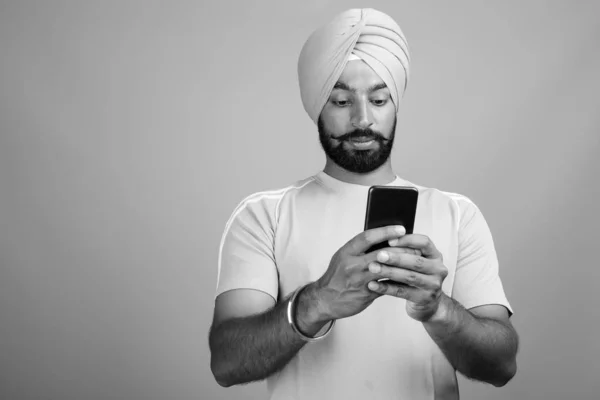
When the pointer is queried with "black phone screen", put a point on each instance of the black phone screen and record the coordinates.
(391, 205)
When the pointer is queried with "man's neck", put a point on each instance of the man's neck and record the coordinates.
(380, 176)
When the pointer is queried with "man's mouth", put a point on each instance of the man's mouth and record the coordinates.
(362, 139)
(362, 142)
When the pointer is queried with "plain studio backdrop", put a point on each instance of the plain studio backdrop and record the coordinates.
(129, 132)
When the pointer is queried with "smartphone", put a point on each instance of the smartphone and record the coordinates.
(391, 205)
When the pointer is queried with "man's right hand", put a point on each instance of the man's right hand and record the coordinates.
(342, 290)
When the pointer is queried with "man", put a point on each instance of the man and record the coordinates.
(292, 262)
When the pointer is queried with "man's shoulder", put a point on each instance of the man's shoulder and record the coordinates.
(267, 201)
(436, 196)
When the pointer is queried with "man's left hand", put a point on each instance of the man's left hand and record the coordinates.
(416, 271)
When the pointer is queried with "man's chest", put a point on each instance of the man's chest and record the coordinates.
(308, 235)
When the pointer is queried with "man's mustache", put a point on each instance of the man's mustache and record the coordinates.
(360, 133)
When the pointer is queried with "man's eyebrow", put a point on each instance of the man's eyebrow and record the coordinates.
(344, 86)
(341, 85)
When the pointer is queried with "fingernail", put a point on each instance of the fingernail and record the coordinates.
(373, 285)
(400, 230)
(383, 256)
(374, 267)
(393, 242)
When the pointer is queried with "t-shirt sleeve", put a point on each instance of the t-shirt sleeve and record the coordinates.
(477, 280)
(246, 252)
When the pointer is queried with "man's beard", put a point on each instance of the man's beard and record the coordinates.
(356, 160)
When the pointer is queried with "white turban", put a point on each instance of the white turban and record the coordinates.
(372, 36)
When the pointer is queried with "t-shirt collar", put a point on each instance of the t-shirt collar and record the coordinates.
(339, 185)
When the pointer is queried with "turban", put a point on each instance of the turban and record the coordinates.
(370, 35)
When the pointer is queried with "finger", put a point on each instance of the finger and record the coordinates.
(403, 276)
(421, 242)
(374, 256)
(394, 289)
(412, 262)
(364, 240)
(398, 250)
(393, 243)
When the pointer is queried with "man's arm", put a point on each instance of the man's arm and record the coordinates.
(251, 348)
(480, 343)
(249, 342)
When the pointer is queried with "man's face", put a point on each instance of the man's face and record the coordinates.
(359, 107)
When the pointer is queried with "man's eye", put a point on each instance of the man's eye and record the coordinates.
(341, 103)
(379, 102)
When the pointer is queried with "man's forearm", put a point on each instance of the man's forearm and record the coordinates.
(480, 348)
(253, 348)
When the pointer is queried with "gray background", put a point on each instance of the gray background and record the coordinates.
(129, 131)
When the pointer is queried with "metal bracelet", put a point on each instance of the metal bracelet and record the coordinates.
(291, 315)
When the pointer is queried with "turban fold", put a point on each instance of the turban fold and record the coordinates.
(369, 34)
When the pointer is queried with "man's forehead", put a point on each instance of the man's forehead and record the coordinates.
(358, 76)
(353, 87)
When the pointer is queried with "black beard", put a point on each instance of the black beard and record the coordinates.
(353, 160)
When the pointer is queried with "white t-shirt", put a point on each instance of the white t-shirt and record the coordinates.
(277, 240)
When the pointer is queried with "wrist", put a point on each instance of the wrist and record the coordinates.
(443, 313)
(310, 314)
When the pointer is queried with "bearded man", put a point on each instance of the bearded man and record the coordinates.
(293, 262)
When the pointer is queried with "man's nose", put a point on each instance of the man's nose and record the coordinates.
(362, 117)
